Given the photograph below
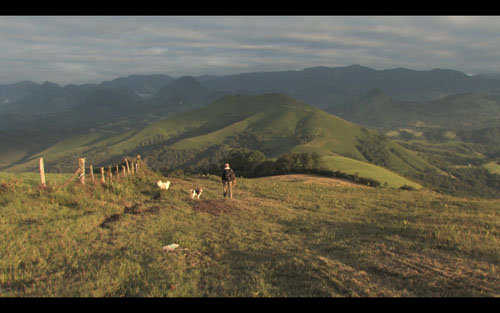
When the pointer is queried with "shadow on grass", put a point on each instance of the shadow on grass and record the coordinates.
(322, 258)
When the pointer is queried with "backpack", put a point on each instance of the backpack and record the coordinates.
(228, 175)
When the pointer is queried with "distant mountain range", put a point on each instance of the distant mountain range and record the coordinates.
(35, 117)
(323, 87)
(327, 87)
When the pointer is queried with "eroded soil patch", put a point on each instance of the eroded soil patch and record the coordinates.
(216, 206)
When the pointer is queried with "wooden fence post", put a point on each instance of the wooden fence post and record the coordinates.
(138, 158)
(102, 175)
(128, 167)
(42, 172)
(92, 172)
(81, 165)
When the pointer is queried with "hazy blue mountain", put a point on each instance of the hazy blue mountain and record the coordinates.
(13, 92)
(145, 86)
(80, 106)
(48, 98)
(324, 87)
(31, 98)
(101, 108)
(494, 75)
(327, 87)
(183, 94)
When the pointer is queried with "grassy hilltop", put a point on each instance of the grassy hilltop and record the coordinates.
(274, 124)
(282, 236)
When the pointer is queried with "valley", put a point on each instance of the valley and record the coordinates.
(419, 125)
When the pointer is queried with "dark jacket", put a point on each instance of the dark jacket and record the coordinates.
(228, 175)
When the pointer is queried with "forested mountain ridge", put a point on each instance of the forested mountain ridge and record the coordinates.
(274, 124)
(404, 104)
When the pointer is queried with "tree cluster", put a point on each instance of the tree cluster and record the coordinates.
(253, 163)
(374, 149)
(470, 181)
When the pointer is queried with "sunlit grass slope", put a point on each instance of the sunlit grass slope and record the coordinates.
(493, 167)
(276, 124)
(363, 169)
(283, 236)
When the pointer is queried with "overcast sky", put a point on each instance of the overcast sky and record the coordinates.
(91, 49)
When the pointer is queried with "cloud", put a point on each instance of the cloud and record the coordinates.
(81, 49)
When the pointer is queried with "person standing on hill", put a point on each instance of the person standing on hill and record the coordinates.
(228, 181)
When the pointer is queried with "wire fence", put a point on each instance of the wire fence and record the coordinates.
(127, 168)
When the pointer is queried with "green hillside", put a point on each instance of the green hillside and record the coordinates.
(378, 109)
(273, 124)
(282, 236)
(20, 144)
(455, 112)
(493, 167)
(11, 150)
(363, 169)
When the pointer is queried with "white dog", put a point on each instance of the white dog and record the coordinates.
(196, 193)
(163, 185)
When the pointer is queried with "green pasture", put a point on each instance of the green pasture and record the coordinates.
(299, 236)
(363, 169)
